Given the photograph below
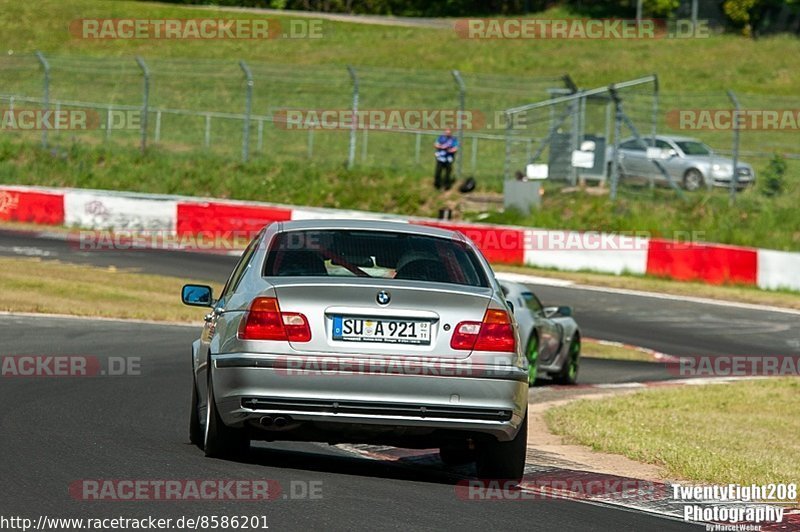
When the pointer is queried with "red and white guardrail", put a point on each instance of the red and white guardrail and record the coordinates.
(565, 250)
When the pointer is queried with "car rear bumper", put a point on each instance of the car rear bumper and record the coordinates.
(476, 400)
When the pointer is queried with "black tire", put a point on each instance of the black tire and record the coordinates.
(196, 433)
(222, 441)
(454, 456)
(569, 370)
(504, 461)
(693, 180)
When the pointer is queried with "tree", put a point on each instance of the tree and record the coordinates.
(752, 17)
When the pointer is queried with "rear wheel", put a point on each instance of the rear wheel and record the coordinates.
(221, 441)
(569, 371)
(532, 354)
(195, 428)
(504, 460)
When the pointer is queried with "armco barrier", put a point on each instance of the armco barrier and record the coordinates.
(709, 263)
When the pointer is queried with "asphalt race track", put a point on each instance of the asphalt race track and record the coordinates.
(671, 326)
(57, 431)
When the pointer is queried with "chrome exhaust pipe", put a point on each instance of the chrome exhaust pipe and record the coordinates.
(266, 421)
(282, 421)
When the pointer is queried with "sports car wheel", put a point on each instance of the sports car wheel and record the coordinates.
(532, 354)
(569, 371)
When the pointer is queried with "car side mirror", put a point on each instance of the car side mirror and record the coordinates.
(197, 295)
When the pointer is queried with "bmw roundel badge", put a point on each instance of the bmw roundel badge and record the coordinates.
(383, 297)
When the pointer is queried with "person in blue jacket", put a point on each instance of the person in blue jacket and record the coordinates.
(445, 147)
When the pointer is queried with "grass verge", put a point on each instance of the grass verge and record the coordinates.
(34, 285)
(743, 433)
(591, 348)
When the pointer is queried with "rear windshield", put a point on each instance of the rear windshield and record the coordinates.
(376, 254)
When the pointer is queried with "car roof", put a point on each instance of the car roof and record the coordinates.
(673, 138)
(369, 225)
(677, 138)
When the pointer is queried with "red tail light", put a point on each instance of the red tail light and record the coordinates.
(265, 321)
(495, 333)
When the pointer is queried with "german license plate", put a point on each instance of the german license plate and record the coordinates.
(388, 331)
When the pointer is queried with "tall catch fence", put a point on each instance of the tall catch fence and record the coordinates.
(254, 110)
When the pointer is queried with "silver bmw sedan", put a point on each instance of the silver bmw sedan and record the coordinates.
(364, 332)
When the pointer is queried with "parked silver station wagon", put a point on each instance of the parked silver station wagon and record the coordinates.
(690, 163)
(362, 331)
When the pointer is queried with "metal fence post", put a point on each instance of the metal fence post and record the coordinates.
(474, 155)
(654, 125)
(509, 129)
(145, 100)
(109, 122)
(575, 143)
(351, 153)
(462, 97)
(736, 118)
(248, 74)
(46, 67)
(615, 153)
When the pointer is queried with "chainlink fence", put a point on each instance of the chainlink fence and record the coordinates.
(346, 115)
